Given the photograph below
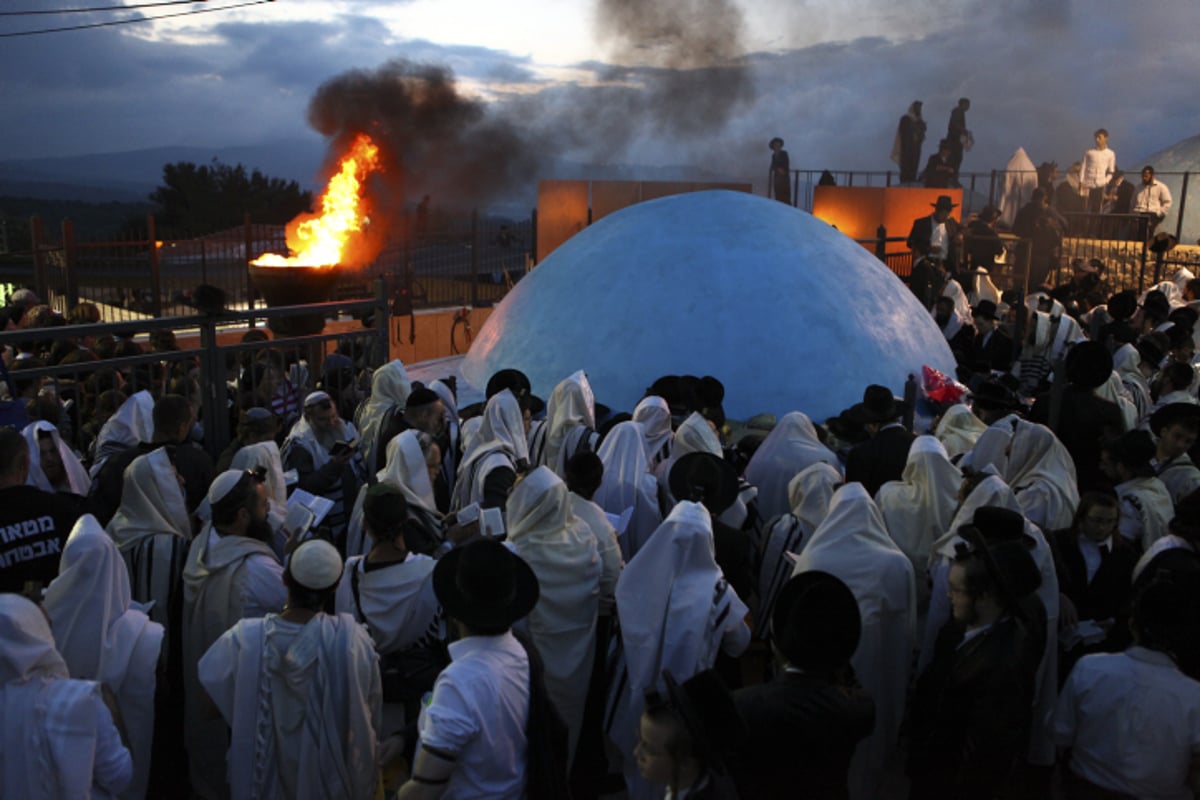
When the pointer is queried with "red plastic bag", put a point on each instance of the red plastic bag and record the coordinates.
(940, 387)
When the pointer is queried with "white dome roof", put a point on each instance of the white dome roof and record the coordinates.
(788, 313)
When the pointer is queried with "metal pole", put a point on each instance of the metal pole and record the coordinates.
(155, 273)
(212, 398)
(383, 323)
(70, 265)
(881, 243)
(249, 244)
(1182, 206)
(41, 281)
(475, 254)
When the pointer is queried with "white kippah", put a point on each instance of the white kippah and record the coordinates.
(316, 397)
(223, 484)
(316, 565)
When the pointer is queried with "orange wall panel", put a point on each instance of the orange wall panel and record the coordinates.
(858, 211)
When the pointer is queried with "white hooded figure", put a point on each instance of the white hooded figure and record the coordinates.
(60, 742)
(561, 550)
(1042, 475)
(790, 448)
(132, 423)
(406, 470)
(265, 456)
(696, 435)
(1020, 179)
(677, 611)
(655, 417)
(390, 388)
(73, 477)
(852, 544)
(958, 430)
(103, 638)
(628, 485)
(498, 444)
(570, 425)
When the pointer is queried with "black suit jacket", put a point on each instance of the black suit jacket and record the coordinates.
(1109, 590)
(922, 234)
(996, 354)
(879, 459)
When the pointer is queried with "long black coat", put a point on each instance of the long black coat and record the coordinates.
(879, 459)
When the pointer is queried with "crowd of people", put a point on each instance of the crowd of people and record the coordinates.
(374, 591)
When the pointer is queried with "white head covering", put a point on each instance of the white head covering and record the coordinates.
(26, 644)
(991, 447)
(303, 435)
(571, 406)
(405, 469)
(1126, 360)
(959, 429)
(390, 388)
(266, 456)
(919, 506)
(695, 435)
(1114, 391)
(132, 423)
(1038, 460)
(151, 502)
(501, 432)
(655, 416)
(623, 453)
(77, 476)
(811, 492)
(790, 447)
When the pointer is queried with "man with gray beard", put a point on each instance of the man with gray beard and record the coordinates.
(323, 449)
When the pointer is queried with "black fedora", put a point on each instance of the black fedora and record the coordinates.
(999, 524)
(993, 395)
(704, 478)
(1174, 412)
(985, 309)
(878, 405)
(485, 585)
(816, 623)
(944, 203)
(1088, 365)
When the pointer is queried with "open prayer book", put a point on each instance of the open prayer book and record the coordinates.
(305, 512)
(491, 520)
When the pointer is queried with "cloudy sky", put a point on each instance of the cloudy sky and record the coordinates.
(669, 82)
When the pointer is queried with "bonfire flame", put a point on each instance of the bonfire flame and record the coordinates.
(319, 240)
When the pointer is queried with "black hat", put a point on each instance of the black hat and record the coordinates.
(773, 141)
(1122, 304)
(989, 213)
(985, 309)
(816, 623)
(1174, 412)
(1163, 242)
(944, 203)
(999, 524)
(485, 585)
(1009, 565)
(995, 395)
(512, 379)
(878, 405)
(1150, 349)
(704, 478)
(706, 709)
(1088, 365)
(1135, 450)
(421, 397)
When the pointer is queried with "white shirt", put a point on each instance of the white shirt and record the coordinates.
(1098, 167)
(937, 239)
(1091, 554)
(1152, 198)
(1132, 721)
(478, 713)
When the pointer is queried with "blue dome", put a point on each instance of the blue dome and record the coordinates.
(786, 311)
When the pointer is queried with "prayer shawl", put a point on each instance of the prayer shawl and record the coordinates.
(607, 547)
(397, 602)
(982, 287)
(655, 416)
(214, 588)
(77, 476)
(919, 507)
(1126, 361)
(1180, 476)
(695, 435)
(452, 453)
(264, 455)
(132, 423)
(101, 638)
(790, 448)
(958, 430)
(1114, 391)
(992, 491)
(809, 494)
(302, 436)
(562, 552)
(1147, 508)
(499, 442)
(991, 447)
(675, 608)
(852, 544)
(152, 531)
(962, 308)
(628, 484)
(1042, 475)
(404, 470)
(390, 388)
(570, 424)
(48, 722)
(303, 705)
(1020, 179)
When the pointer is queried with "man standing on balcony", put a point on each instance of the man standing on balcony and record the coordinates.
(1098, 166)
(1152, 200)
(936, 234)
(906, 151)
(957, 134)
(781, 172)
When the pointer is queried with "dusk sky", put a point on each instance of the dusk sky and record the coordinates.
(702, 82)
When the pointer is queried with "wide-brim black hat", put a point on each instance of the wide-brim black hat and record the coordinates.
(878, 405)
(707, 710)
(1173, 412)
(999, 524)
(704, 478)
(996, 396)
(485, 585)
(985, 309)
(1088, 365)
(816, 623)
(944, 201)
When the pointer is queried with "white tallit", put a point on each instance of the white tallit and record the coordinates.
(303, 435)
(77, 476)
(152, 501)
(500, 441)
(562, 552)
(959, 429)
(655, 416)
(570, 415)
(405, 470)
(790, 447)
(628, 484)
(853, 544)
(101, 638)
(991, 447)
(132, 423)
(1042, 475)
(390, 388)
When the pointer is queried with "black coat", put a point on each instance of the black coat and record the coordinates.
(995, 354)
(1083, 422)
(1109, 590)
(879, 459)
(921, 235)
(802, 733)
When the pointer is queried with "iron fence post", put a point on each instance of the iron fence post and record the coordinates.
(383, 323)
(475, 256)
(212, 399)
(41, 281)
(1182, 206)
(155, 272)
(881, 243)
(70, 266)
(249, 244)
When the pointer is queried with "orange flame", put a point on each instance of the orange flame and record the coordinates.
(319, 240)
